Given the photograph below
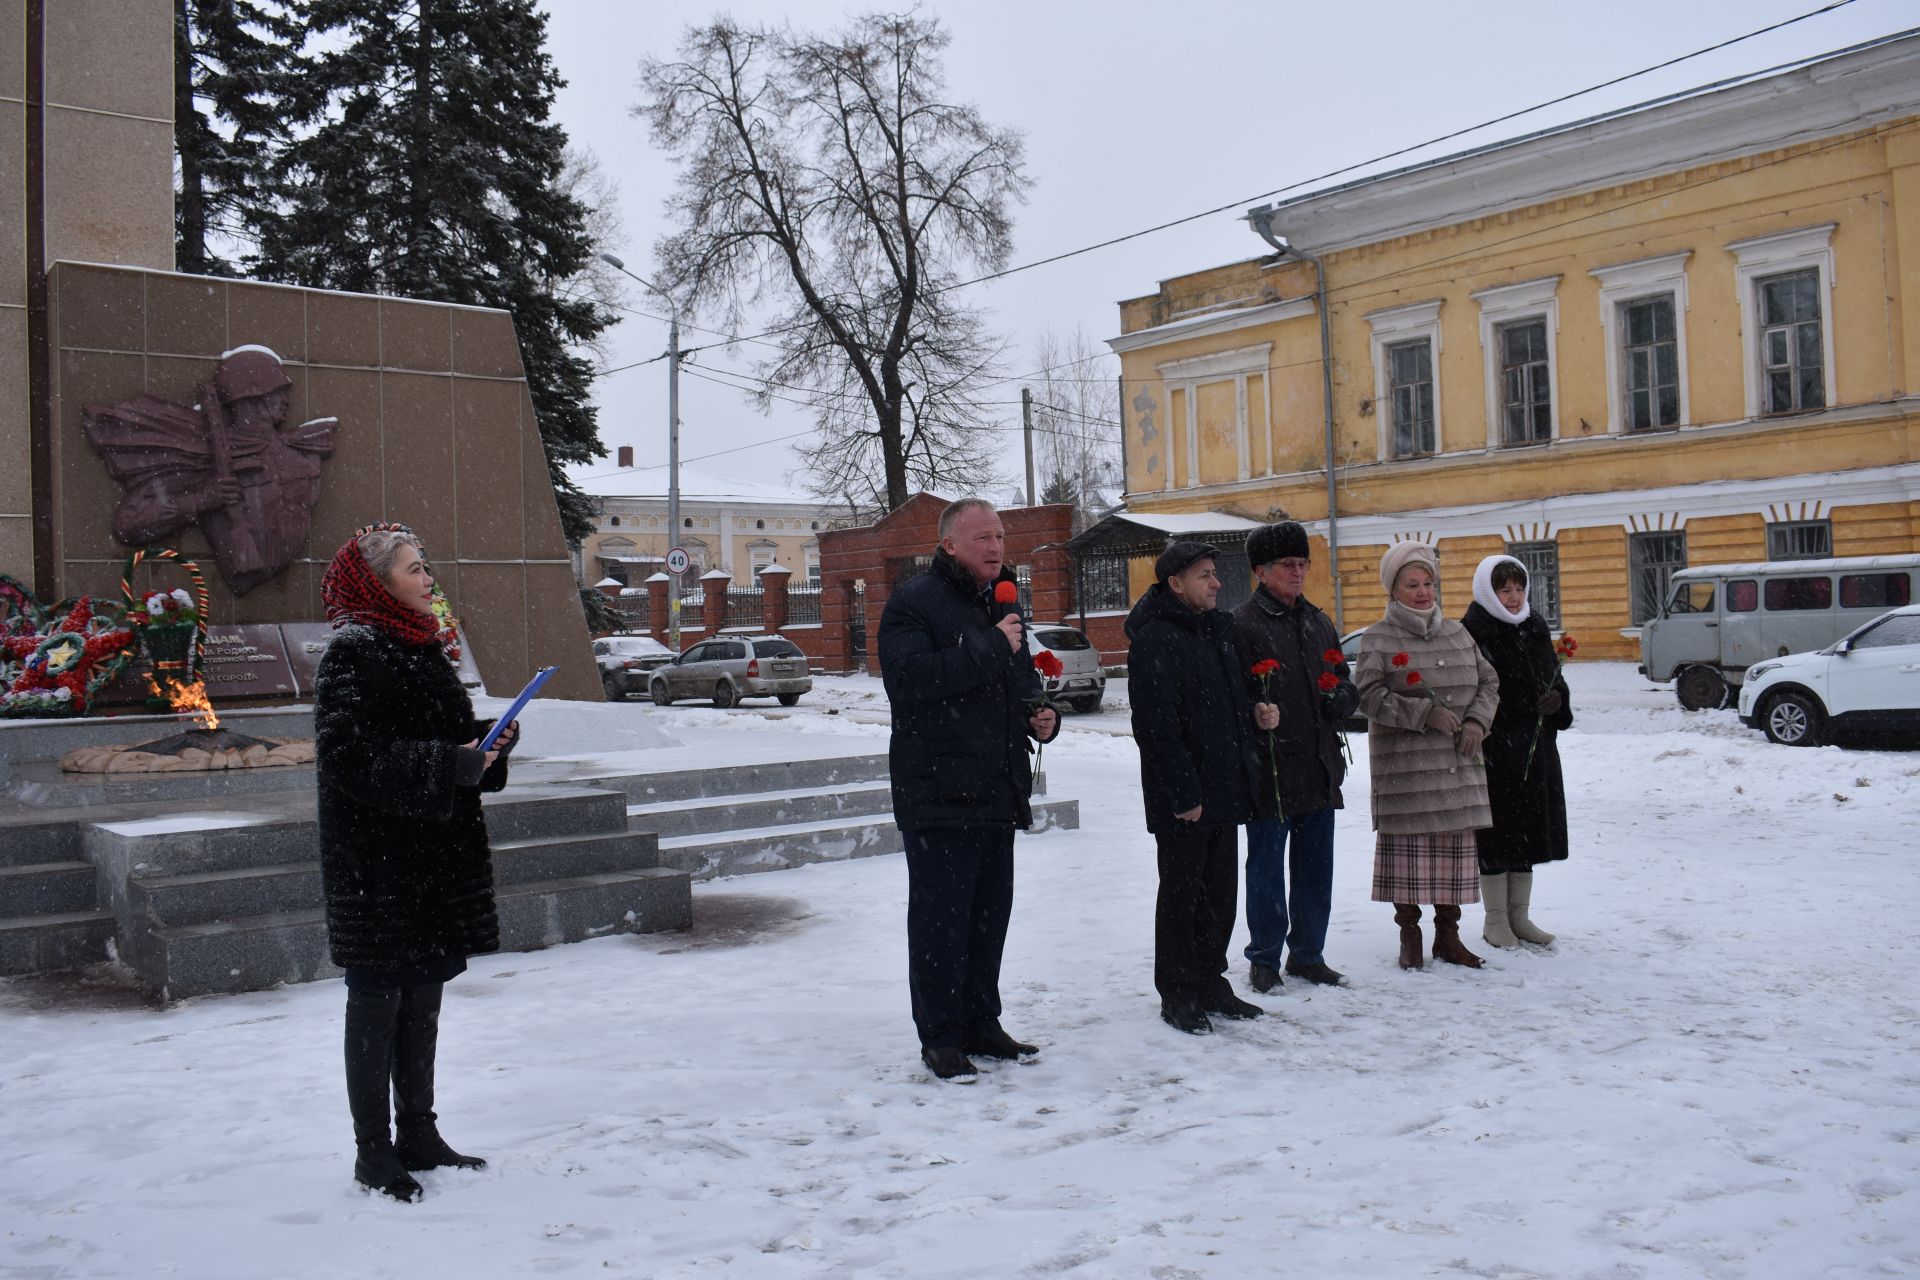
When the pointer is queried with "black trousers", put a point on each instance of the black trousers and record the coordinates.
(959, 898)
(1194, 916)
(393, 1033)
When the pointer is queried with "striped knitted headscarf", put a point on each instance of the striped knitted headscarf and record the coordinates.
(351, 591)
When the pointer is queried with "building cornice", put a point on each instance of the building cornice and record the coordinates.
(1831, 96)
(1209, 325)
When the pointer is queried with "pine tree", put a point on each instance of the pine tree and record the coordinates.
(427, 168)
(230, 60)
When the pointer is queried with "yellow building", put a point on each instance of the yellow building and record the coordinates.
(1683, 333)
(726, 524)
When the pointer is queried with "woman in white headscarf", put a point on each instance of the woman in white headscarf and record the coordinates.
(1524, 782)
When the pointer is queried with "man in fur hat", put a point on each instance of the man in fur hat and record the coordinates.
(1302, 764)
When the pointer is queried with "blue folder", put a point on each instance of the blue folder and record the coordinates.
(519, 705)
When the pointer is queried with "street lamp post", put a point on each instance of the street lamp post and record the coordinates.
(673, 442)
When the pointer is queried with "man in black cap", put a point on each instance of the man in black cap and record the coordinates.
(1303, 766)
(1195, 726)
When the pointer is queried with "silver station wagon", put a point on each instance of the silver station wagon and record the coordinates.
(729, 668)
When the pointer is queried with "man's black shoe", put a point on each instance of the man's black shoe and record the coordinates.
(1185, 1015)
(1316, 972)
(949, 1063)
(1228, 1005)
(994, 1042)
(1264, 978)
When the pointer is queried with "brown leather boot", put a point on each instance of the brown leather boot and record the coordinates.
(1446, 937)
(1407, 916)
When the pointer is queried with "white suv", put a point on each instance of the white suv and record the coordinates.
(1868, 679)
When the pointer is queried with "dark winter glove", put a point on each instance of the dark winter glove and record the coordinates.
(1340, 704)
(1550, 702)
(469, 766)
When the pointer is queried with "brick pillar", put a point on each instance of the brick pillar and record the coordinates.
(714, 583)
(657, 619)
(773, 596)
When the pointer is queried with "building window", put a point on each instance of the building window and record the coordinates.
(613, 521)
(1226, 429)
(1526, 385)
(1517, 327)
(1406, 379)
(1652, 364)
(1790, 345)
(687, 523)
(1410, 385)
(1800, 540)
(1652, 559)
(1542, 561)
(1786, 312)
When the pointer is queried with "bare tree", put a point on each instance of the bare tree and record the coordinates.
(1076, 416)
(828, 180)
(584, 179)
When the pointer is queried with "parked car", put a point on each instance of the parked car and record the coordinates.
(729, 668)
(1870, 679)
(1082, 681)
(627, 663)
(1720, 620)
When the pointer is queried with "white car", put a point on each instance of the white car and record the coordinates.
(1870, 678)
(1082, 681)
(625, 663)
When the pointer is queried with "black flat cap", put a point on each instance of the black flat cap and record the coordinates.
(1180, 555)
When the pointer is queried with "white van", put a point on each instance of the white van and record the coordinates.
(1720, 619)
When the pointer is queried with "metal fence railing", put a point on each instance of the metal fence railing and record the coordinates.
(745, 608)
(803, 604)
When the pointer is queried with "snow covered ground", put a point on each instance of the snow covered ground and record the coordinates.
(1713, 1073)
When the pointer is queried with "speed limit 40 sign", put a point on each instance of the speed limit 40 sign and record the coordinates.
(678, 561)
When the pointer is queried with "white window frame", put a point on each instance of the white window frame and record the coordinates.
(761, 553)
(1772, 255)
(1190, 375)
(1392, 326)
(1637, 281)
(1509, 304)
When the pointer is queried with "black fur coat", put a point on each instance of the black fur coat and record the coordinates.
(404, 856)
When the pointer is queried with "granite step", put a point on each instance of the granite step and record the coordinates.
(705, 856)
(46, 888)
(40, 944)
(253, 952)
(743, 780)
(22, 843)
(725, 813)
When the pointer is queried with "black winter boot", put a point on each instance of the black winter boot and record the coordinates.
(991, 1040)
(948, 1063)
(416, 1136)
(371, 1020)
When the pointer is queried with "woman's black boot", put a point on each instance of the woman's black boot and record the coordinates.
(372, 1017)
(417, 1136)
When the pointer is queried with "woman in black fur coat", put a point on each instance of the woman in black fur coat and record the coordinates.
(1529, 799)
(403, 843)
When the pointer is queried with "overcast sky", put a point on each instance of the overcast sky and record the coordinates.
(1138, 113)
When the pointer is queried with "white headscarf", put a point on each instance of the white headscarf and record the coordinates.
(1489, 600)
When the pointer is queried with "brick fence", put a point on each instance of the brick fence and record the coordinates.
(858, 571)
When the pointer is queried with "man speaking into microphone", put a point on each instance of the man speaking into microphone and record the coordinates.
(965, 700)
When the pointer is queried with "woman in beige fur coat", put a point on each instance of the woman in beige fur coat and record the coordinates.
(1429, 696)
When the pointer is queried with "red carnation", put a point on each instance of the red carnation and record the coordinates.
(1413, 678)
(1568, 644)
(1047, 665)
(1265, 667)
(1333, 657)
(1401, 659)
(1006, 593)
(1329, 682)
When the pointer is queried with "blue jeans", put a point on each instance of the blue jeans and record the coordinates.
(1271, 920)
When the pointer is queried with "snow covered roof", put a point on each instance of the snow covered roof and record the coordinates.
(695, 486)
(609, 582)
(1203, 522)
(1844, 564)
(776, 567)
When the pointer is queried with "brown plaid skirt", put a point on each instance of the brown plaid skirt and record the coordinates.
(1443, 868)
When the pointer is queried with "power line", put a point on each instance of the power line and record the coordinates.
(1379, 159)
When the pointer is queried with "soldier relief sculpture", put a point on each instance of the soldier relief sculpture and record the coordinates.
(226, 464)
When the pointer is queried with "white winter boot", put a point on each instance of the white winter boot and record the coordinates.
(1519, 896)
(1494, 897)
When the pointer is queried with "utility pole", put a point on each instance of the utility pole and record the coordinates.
(673, 441)
(1026, 417)
(673, 472)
